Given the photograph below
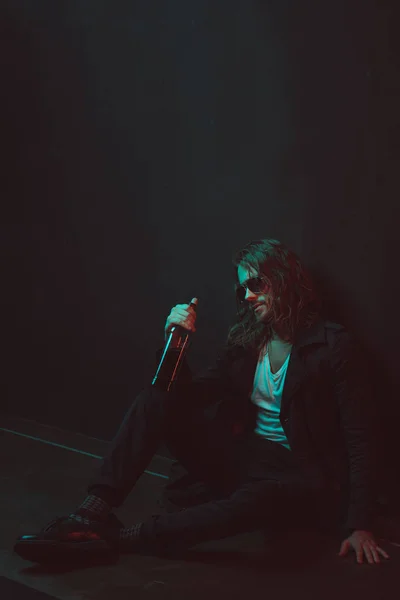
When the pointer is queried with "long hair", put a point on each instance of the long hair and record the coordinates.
(294, 301)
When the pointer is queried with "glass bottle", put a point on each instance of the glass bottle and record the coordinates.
(174, 352)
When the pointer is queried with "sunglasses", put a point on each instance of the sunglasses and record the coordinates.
(255, 285)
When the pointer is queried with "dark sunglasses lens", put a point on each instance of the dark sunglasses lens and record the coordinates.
(255, 285)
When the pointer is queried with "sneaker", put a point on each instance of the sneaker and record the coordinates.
(69, 540)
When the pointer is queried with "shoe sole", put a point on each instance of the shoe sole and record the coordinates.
(52, 551)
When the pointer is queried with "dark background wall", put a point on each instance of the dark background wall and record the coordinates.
(144, 142)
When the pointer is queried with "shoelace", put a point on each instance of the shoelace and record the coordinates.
(79, 519)
(52, 525)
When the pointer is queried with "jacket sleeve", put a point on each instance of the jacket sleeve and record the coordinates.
(353, 393)
(210, 385)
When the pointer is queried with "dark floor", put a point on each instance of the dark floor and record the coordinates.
(41, 481)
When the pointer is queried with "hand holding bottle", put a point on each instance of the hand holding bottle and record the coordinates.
(182, 315)
(178, 329)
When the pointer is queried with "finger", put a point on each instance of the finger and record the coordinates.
(178, 316)
(191, 309)
(181, 321)
(189, 306)
(371, 554)
(375, 554)
(189, 320)
(184, 311)
(189, 326)
(382, 552)
(360, 555)
(344, 548)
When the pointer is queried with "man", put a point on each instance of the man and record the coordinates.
(277, 432)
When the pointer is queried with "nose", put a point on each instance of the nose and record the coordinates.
(249, 295)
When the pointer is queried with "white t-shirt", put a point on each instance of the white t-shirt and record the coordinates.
(267, 395)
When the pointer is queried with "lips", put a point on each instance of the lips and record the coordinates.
(257, 306)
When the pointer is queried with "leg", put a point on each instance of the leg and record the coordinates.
(152, 416)
(254, 505)
(199, 445)
(134, 445)
(210, 460)
(272, 494)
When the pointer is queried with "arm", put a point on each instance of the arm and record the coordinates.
(209, 386)
(354, 397)
(205, 389)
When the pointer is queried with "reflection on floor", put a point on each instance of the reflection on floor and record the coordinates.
(44, 474)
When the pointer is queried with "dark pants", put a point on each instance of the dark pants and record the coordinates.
(238, 484)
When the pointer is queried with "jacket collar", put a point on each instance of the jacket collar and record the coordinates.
(296, 373)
